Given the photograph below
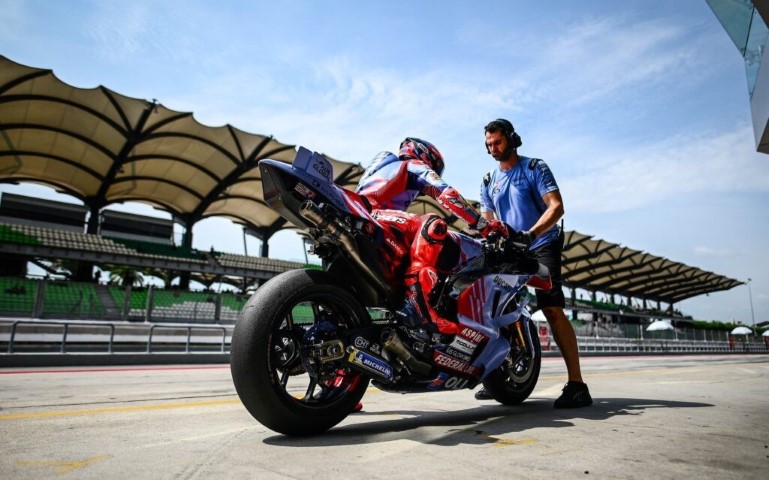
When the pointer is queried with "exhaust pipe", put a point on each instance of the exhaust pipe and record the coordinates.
(314, 215)
(394, 344)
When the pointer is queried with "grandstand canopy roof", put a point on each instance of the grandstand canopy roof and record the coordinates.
(103, 148)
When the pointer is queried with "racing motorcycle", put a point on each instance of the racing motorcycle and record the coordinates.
(309, 341)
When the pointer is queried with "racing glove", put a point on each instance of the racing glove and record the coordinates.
(523, 238)
(487, 227)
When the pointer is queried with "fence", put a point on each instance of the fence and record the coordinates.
(72, 336)
(18, 337)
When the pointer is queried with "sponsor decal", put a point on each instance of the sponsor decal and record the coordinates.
(464, 345)
(389, 218)
(500, 282)
(368, 228)
(323, 170)
(371, 364)
(456, 353)
(304, 191)
(472, 335)
(398, 249)
(443, 381)
(450, 363)
(455, 383)
(437, 384)
(361, 342)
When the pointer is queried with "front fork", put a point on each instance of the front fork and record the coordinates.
(523, 350)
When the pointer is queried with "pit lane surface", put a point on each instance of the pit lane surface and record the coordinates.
(653, 417)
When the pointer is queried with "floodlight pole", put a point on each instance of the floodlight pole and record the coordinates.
(750, 296)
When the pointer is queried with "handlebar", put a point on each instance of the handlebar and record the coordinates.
(500, 250)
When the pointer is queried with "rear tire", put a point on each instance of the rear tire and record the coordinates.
(265, 356)
(513, 381)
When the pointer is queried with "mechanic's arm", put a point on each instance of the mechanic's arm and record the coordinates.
(550, 217)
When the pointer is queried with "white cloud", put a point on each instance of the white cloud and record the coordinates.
(119, 29)
(704, 251)
(596, 57)
(676, 166)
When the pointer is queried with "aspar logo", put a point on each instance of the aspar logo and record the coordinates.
(472, 335)
(323, 170)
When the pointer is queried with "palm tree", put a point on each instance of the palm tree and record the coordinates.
(126, 275)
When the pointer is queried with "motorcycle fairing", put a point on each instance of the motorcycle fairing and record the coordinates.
(479, 308)
(310, 177)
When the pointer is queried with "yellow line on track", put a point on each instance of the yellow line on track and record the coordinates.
(135, 408)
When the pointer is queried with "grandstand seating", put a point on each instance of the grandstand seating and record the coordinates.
(72, 299)
(179, 306)
(49, 237)
(18, 295)
(233, 301)
(15, 235)
(261, 263)
(159, 249)
(62, 299)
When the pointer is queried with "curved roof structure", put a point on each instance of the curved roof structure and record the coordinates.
(103, 148)
(598, 265)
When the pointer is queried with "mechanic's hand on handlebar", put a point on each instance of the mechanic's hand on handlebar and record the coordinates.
(489, 227)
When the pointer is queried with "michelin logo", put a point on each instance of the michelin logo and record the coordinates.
(372, 364)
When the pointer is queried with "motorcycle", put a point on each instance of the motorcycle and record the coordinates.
(309, 341)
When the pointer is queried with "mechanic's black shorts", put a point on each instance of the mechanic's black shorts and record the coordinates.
(550, 256)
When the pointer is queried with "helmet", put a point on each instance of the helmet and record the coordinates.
(422, 150)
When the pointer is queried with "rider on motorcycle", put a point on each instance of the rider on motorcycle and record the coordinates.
(425, 247)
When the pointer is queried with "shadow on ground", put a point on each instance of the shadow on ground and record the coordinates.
(473, 426)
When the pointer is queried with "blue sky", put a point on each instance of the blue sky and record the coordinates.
(640, 107)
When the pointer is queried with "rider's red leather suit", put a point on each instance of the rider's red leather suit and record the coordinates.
(420, 244)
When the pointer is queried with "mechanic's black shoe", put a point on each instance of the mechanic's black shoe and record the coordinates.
(575, 395)
(483, 394)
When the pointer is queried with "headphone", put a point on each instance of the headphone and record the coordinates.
(513, 139)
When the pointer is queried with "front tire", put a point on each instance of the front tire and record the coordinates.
(513, 381)
(266, 354)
